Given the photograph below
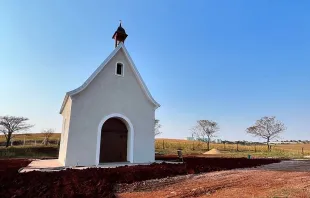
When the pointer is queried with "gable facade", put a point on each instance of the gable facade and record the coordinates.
(104, 96)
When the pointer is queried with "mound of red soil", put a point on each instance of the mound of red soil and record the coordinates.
(99, 182)
(12, 165)
(92, 182)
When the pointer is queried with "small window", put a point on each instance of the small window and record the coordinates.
(119, 69)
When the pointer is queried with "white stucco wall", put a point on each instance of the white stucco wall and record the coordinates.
(65, 131)
(110, 94)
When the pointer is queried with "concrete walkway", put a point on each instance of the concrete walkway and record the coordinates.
(54, 165)
(43, 165)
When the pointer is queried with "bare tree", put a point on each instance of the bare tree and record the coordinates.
(197, 133)
(157, 127)
(12, 124)
(205, 128)
(47, 134)
(267, 128)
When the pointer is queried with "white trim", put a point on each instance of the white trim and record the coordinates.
(64, 103)
(140, 80)
(100, 68)
(63, 131)
(123, 69)
(130, 137)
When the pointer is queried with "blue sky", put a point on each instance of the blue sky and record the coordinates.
(229, 61)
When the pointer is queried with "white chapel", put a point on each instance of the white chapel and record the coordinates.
(111, 116)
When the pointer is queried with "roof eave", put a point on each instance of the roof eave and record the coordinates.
(64, 103)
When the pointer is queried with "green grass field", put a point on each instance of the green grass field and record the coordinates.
(29, 152)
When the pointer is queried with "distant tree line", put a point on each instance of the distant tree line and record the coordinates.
(268, 128)
(12, 125)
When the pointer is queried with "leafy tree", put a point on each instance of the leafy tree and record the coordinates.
(205, 128)
(12, 124)
(267, 128)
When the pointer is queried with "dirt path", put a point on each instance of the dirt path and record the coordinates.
(285, 179)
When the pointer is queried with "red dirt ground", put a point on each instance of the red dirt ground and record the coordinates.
(290, 179)
(100, 182)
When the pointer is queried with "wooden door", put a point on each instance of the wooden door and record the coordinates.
(113, 146)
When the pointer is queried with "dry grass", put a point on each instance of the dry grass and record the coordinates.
(169, 146)
(295, 147)
(31, 136)
(163, 143)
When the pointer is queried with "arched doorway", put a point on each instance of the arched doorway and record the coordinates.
(113, 144)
